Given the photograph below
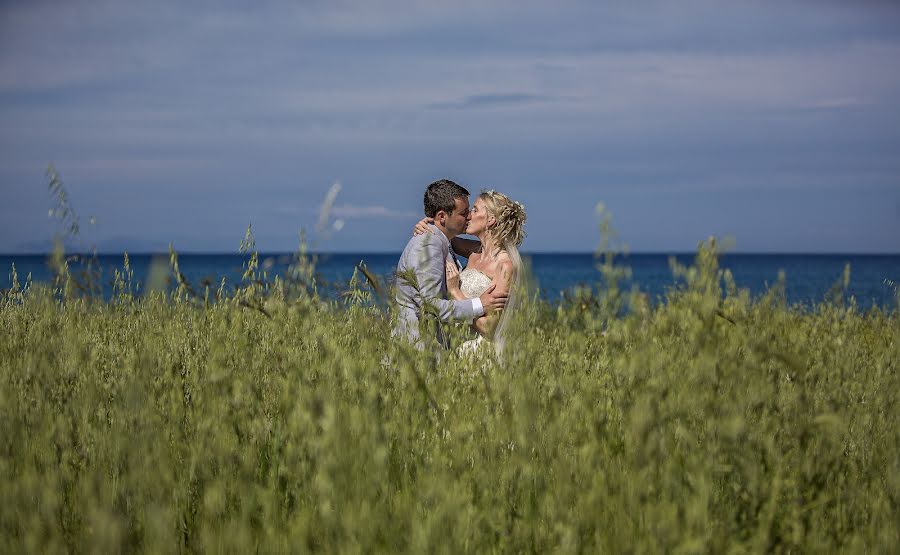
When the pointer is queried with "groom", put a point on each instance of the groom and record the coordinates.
(422, 278)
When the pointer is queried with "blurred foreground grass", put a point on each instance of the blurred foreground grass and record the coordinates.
(266, 421)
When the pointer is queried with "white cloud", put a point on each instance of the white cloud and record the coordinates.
(362, 211)
(350, 212)
(839, 103)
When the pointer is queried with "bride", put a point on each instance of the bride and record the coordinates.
(497, 221)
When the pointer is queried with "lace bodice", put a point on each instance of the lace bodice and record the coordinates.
(473, 283)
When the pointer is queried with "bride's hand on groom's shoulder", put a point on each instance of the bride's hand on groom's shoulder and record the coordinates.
(422, 226)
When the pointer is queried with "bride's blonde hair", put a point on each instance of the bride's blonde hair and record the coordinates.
(509, 218)
(508, 231)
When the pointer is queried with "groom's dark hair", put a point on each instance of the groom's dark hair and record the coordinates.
(442, 195)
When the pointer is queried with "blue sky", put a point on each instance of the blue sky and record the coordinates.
(776, 123)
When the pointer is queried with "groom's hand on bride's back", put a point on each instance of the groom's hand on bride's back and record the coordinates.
(493, 299)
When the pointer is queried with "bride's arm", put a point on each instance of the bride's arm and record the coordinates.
(465, 247)
(485, 325)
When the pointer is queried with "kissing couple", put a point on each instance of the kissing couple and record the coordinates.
(430, 281)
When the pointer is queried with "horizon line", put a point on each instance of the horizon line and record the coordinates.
(398, 252)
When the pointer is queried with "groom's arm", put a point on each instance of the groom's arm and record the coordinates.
(430, 276)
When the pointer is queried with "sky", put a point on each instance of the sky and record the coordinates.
(775, 124)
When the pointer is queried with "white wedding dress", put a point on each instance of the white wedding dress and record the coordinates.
(472, 283)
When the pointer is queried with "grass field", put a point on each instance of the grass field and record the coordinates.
(266, 421)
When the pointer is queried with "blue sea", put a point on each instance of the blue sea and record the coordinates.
(809, 277)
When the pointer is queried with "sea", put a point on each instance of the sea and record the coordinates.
(874, 279)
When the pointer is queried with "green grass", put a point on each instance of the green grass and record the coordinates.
(267, 422)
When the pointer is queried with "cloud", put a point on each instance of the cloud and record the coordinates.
(841, 103)
(823, 105)
(350, 212)
(361, 211)
(495, 100)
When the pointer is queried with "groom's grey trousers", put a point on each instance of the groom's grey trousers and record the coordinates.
(422, 288)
